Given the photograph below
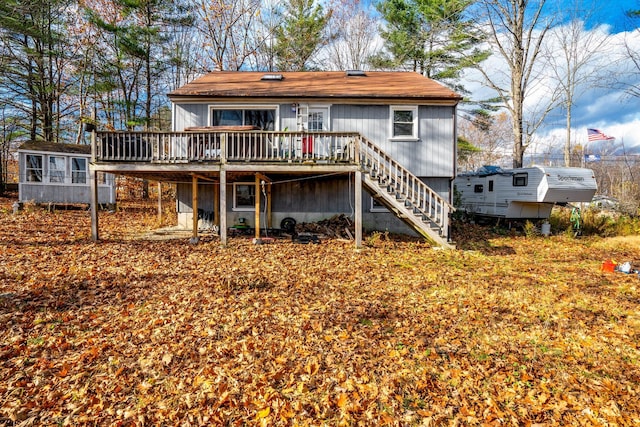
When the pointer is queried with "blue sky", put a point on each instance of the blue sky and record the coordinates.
(607, 108)
(613, 12)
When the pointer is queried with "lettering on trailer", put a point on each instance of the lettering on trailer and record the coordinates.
(570, 178)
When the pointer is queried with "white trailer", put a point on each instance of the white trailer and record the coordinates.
(523, 193)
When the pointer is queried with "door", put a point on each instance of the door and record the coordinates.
(317, 121)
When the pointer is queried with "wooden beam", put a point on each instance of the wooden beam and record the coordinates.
(194, 203)
(216, 205)
(269, 219)
(358, 206)
(159, 203)
(93, 177)
(257, 198)
(223, 207)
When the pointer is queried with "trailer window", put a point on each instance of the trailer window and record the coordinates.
(491, 185)
(478, 188)
(520, 179)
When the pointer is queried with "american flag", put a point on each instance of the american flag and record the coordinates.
(597, 135)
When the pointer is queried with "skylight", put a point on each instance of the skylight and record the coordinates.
(356, 73)
(272, 77)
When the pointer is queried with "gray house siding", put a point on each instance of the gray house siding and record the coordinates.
(188, 115)
(64, 194)
(432, 155)
(303, 200)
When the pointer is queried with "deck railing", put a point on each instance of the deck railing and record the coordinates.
(245, 146)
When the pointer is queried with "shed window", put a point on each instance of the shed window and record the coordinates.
(264, 119)
(404, 122)
(478, 188)
(244, 196)
(520, 179)
(34, 168)
(78, 170)
(56, 169)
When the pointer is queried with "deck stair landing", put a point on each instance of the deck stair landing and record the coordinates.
(405, 195)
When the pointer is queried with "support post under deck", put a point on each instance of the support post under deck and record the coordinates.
(358, 203)
(223, 207)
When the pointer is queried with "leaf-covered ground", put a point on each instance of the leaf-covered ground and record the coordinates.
(507, 330)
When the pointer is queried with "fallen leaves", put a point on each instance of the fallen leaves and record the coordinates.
(137, 332)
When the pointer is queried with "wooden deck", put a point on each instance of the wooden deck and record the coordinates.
(218, 155)
(225, 146)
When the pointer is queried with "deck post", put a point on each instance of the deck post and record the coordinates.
(194, 199)
(93, 177)
(159, 203)
(257, 206)
(223, 206)
(358, 206)
(216, 204)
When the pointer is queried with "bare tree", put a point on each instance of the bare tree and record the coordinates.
(516, 29)
(492, 135)
(353, 40)
(571, 53)
(633, 51)
(228, 29)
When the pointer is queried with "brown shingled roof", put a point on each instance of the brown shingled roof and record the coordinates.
(317, 84)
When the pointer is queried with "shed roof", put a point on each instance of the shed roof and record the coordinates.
(55, 147)
(317, 84)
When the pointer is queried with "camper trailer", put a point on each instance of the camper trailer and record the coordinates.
(523, 193)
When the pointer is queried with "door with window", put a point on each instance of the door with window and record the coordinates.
(317, 121)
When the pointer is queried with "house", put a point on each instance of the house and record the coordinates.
(59, 173)
(258, 148)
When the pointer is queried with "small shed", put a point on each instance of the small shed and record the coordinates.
(59, 173)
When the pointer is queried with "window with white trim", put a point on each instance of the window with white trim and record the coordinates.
(244, 196)
(78, 170)
(56, 169)
(376, 206)
(404, 122)
(33, 168)
(262, 118)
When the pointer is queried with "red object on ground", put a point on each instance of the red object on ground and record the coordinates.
(608, 265)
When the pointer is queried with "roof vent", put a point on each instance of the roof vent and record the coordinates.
(272, 77)
(351, 73)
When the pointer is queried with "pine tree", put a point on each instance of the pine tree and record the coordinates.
(32, 62)
(301, 34)
(432, 37)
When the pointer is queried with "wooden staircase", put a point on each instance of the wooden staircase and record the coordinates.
(405, 195)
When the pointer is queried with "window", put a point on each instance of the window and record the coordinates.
(264, 119)
(34, 168)
(490, 185)
(78, 170)
(56, 169)
(404, 122)
(376, 206)
(478, 188)
(520, 179)
(244, 196)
